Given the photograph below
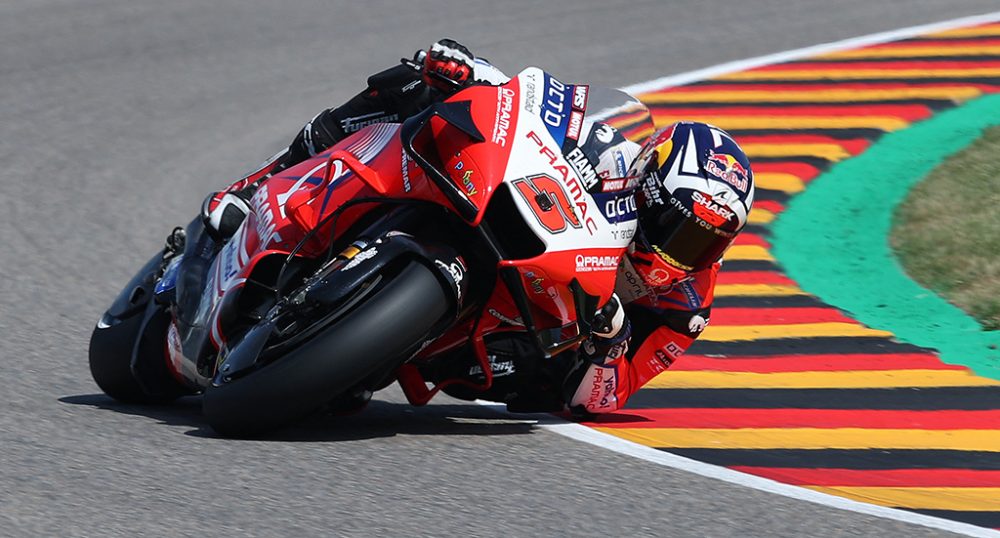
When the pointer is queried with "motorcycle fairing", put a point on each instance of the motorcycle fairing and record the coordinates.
(514, 147)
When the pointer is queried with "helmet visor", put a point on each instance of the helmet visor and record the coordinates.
(683, 240)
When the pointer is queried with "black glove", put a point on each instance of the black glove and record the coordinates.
(611, 332)
(609, 320)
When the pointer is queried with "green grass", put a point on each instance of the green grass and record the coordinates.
(946, 233)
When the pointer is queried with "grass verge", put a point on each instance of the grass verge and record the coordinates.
(946, 234)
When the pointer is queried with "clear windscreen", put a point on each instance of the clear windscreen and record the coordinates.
(622, 111)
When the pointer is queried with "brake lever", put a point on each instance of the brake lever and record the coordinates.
(419, 68)
(408, 62)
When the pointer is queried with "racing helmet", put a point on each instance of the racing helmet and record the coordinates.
(695, 192)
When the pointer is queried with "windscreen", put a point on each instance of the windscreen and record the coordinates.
(622, 111)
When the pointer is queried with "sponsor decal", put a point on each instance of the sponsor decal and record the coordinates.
(709, 210)
(535, 282)
(697, 324)
(411, 85)
(604, 133)
(728, 169)
(505, 103)
(230, 266)
(584, 169)
(660, 277)
(681, 207)
(621, 167)
(617, 208)
(580, 97)
(655, 365)
(406, 172)
(556, 105)
(636, 288)
(529, 91)
(576, 190)
(611, 185)
(457, 272)
(666, 257)
(673, 349)
(602, 388)
(588, 264)
(575, 123)
(663, 358)
(265, 225)
(687, 288)
(668, 353)
(652, 191)
(701, 222)
(360, 257)
(499, 368)
(623, 234)
(470, 187)
(351, 125)
(510, 321)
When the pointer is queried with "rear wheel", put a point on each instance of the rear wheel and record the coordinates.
(375, 337)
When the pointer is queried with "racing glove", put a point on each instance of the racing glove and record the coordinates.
(610, 328)
(447, 66)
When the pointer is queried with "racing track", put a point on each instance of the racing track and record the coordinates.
(785, 386)
(116, 118)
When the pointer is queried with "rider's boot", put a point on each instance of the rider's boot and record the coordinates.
(224, 211)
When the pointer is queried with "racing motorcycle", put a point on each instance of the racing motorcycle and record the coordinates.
(391, 250)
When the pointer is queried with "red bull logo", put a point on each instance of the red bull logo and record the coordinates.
(728, 169)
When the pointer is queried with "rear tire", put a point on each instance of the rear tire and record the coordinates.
(375, 337)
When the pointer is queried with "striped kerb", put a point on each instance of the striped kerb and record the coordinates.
(782, 385)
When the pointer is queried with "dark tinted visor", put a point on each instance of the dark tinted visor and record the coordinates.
(682, 241)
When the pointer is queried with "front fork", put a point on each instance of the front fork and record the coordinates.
(179, 294)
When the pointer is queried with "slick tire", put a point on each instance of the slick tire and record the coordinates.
(111, 360)
(375, 337)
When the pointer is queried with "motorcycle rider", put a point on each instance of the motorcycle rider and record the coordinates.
(695, 190)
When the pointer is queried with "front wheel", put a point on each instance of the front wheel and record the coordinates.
(110, 352)
(124, 329)
(375, 337)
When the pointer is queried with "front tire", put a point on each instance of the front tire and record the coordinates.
(111, 360)
(115, 337)
(375, 337)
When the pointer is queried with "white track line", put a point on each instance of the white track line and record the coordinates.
(617, 444)
(591, 436)
(795, 54)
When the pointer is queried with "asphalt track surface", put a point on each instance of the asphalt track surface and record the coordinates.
(117, 117)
